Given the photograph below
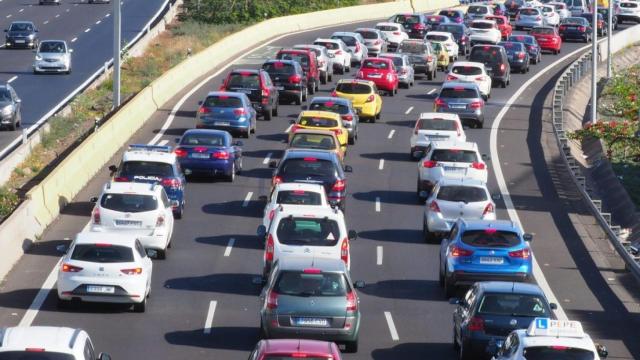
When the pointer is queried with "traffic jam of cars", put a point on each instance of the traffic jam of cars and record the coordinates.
(485, 263)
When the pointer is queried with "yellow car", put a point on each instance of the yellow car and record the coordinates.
(317, 140)
(321, 120)
(364, 96)
(443, 55)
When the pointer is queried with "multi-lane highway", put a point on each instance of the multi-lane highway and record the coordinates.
(87, 28)
(203, 303)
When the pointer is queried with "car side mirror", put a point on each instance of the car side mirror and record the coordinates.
(527, 237)
(176, 140)
(273, 164)
(61, 249)
(496, 196)
(352, 235)
(151, 253)
(238, 143)
(36, 30)
(418, 154)
(70, 50)
(104, 356)
(304, 107)
(5, 30)
(359, 284)
(94, 199)
(348, 168)
(200, 102)
(259, 280)
(602, 351)
(18, 101)
(261, 231)
(553, 306)
(485, 157)
(454, 301)
(113, 168)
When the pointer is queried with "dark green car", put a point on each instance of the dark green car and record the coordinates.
(311, 299)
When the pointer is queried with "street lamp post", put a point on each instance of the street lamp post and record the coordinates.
(594, 64)
(609, 34)
(116, 52)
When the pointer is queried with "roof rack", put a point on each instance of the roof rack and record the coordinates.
(151, 148)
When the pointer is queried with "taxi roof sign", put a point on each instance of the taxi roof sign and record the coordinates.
(557, 328)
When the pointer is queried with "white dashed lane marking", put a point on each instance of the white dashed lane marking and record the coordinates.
(208, 323)
(74, 39)
(21, 10)
(98, 22)
(267, 159)
(163, 142)
(379, 255)
(87, 30)
(431, 91)
(378, 204)
(8, 16)
(381, 165)
(227, 251)
(408, 111)
(245, 203)
(392, 326)
(45, 22)
(12, 79)
(391, 134)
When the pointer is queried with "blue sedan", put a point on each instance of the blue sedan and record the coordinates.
(483, 250)
(210, 153)
(530, 42)
(231, 111)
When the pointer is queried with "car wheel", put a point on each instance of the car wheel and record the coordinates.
(330, 77)
(274, 111)
(13, 126)
(348, 69)
(63, 304)
(449, 288)
(503, 84)
(352, 140)
(429, 237)
(246, 134)
(441, 281)
(378, 116)
(263, 333)
(267, 115)
(178, 215)
(463, 353)
(479, 125)
(162, 254)
(232, 173)
(299, 99)
(323, 79)
(140, 307)
(523, 70)
(391, 93)
(430, 75)
(351, 346)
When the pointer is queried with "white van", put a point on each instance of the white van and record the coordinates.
(577, 7)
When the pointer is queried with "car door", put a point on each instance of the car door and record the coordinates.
(444, 244)
(88, 351)
(462, 313)
(273, 92)
(168, 211)
(17, 103)
(145, 260)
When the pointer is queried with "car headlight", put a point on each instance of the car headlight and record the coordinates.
(38, 57)
(7, 110)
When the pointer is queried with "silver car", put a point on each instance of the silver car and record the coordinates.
(406, 73)
(452, 199)
(52, 56)
(10, 115)
(374, 39)
(529, 18)
(325, 63)
(355, 43)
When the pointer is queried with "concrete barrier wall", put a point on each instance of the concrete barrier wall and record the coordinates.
(45, 201)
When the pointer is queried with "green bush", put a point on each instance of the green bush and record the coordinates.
(249, 11)
(8, 201)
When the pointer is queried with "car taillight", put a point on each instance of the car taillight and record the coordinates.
(352, 301)
(522, 254)
(134, 271)
(480, 78)
(489, 209)
(268, 249)
(344, 251)
(272, 300)
(434, 207)
(582, 28)
(172, 183)
(360, 75)
(180, 152)
(348, 117)
(475, 105)
(120, 179)
(204, 110)
(521, 55)
(338, 132)
(538, 18)
(429, 164)
(70, 268)
(396, 33)
(276, 180)
(238, 112)
(272, 212)
(339, 185)
(562, 28)
(334, 93)
(458, 130)
(265, 92)
(439, 103)
(357, 47)
(419, 27)
(220, 155)
(295, 128)
(370, 98)
(478, 165)
(378, 42)
(160, 220)
(476, 324)
(451, 77)
(95, 216)
(600, 23)
(457, 251)
(503, 67)
(295, 79)
(338, 52)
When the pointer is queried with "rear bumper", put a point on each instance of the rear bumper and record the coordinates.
(460, 277)
(232, 128)
(75, 287)
(206, 167)
(629, 17)
(465, 115)
(329, 334)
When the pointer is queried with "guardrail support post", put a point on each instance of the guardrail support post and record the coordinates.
(25, 135)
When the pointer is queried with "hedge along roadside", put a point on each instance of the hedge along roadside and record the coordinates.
(44, 202)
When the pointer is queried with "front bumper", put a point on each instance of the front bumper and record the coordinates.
(20, 43)
(53, 67)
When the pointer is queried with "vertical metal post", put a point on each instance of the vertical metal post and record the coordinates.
(116, 53)
(609, 33)
(594, 66)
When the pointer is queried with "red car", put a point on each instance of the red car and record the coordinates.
(309, 62)
(503, 24)
(295, 349)
(382, 72)
(548, 38)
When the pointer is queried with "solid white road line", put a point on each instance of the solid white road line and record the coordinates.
(87, 30)
(209, 320)
(163, 142)
(392, 326)
(381, 165)
(379, 255)
(391, 134)
(245, 203)
(107, 15)
(12, 79)
(267, 159)
(74, 39)
(378, 204)
(57, 16)
(497, 168)
(30, 314)
(408, 110)
(227, 251)
(431, 91)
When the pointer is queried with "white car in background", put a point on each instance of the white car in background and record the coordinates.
(394, 33)
(561, 9)
(431, 127)
(138, 209)
(356, 44)
(325, 63)
(340, 52)
(551, 17)
(475, 72)
(484, 32)
(47, 342)
(105, 267)
(447, 40)
(293, 195)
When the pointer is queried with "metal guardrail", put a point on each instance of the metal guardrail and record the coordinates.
(28, 132)
(570, 77)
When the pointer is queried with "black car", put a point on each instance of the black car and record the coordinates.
(496, 60)
(517, 54)
(601, 24)
(513, 6)
(455, 15)
(10, 114)
(415, 25)
(258, 86)
(289, 78)
(490, 311)
(434, 20)
(500, 9)
(21, 34)
(461, 33)
(530, 42)
(315, 167)
(605, 14)
(575, 28)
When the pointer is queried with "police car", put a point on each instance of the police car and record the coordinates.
(550, 339)
(47, 342)
(153, 164)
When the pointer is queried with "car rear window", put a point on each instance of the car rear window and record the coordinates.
(101, 253)
(331, 106)
(354, 88)
(327, 44)
(513, 305)
(279, 67)
(298, 283)
(477, 10)
(466, 70)
(454, 29)
(498, 20)
(450, 14)
(437, 124)
(347, 39)
(308, 231)
(202, 139)
(297, 356)
(407, 19)
(465, 194)
(556, 353)
(512, 47)
(375, 64)
(299, 197)
(432, 37)
(397, 61)
(543, 31)
(628, 5)
(26, 355)
(434, 19)
(313, 141)
(312, 121)
(302, 59)
(530, 40)
(412, 47)
(529, 12)
(452, 155)
(222, 101)
(481, 25)
(490, 238)
(146, 168)
(245, 80)
(573, 21)
(458, 93)
(308, 166)
(387, 28)
(21, 27)
(129, 203)
(485, 55)
(368, 34)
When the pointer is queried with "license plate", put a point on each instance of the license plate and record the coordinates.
(280, 87)
(244, 91)
(19, 41)
(222, 123)
(101, 289)
(128, 222)
(315, 322)
(457, 106)
(437, 137)
(491, 260)
(199, 156)
(375, 76)
(453, 169)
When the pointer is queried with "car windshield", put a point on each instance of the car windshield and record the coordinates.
(222, 101)
(354, 88)
(412, 47)
(513, 305)
(477, 10)
(481, 25)
(466, 70)
(279, 68)
(542, 31)
(529, 40)
(485, 55)
(368, 34)
(321, 122)
(347, 39)
(146, 168)
(302, 59)
(309, 167)
(454, 29)
(332, 106)
(529, 12)
(203, 139)
(21, 27)
(490, 237)
(129, 203)
(298, 197)
(311, 283)
(308, 231)
(454, 155)
(313, 141)
(556, 353)
(5, 95)
(387, 28)
(437, 124)
(459, 93)
(434, 37)
(30, 355)
(52, 47)
(244, 80)
(100, 253)
(464, 194)
(375, 64)
(329, 45)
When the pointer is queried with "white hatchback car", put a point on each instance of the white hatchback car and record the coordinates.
(356, 44)
(435, 127)
(449, 159)
(452, 199)
(338, 52)
(394, 33)
(105, 267)
(306, 231)
(139, 209)
(293, 194)
(561, 8)
(52, 56)
(551, 17)
(475, 72)
(484, 32)
(446, 39)
(47, 342)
